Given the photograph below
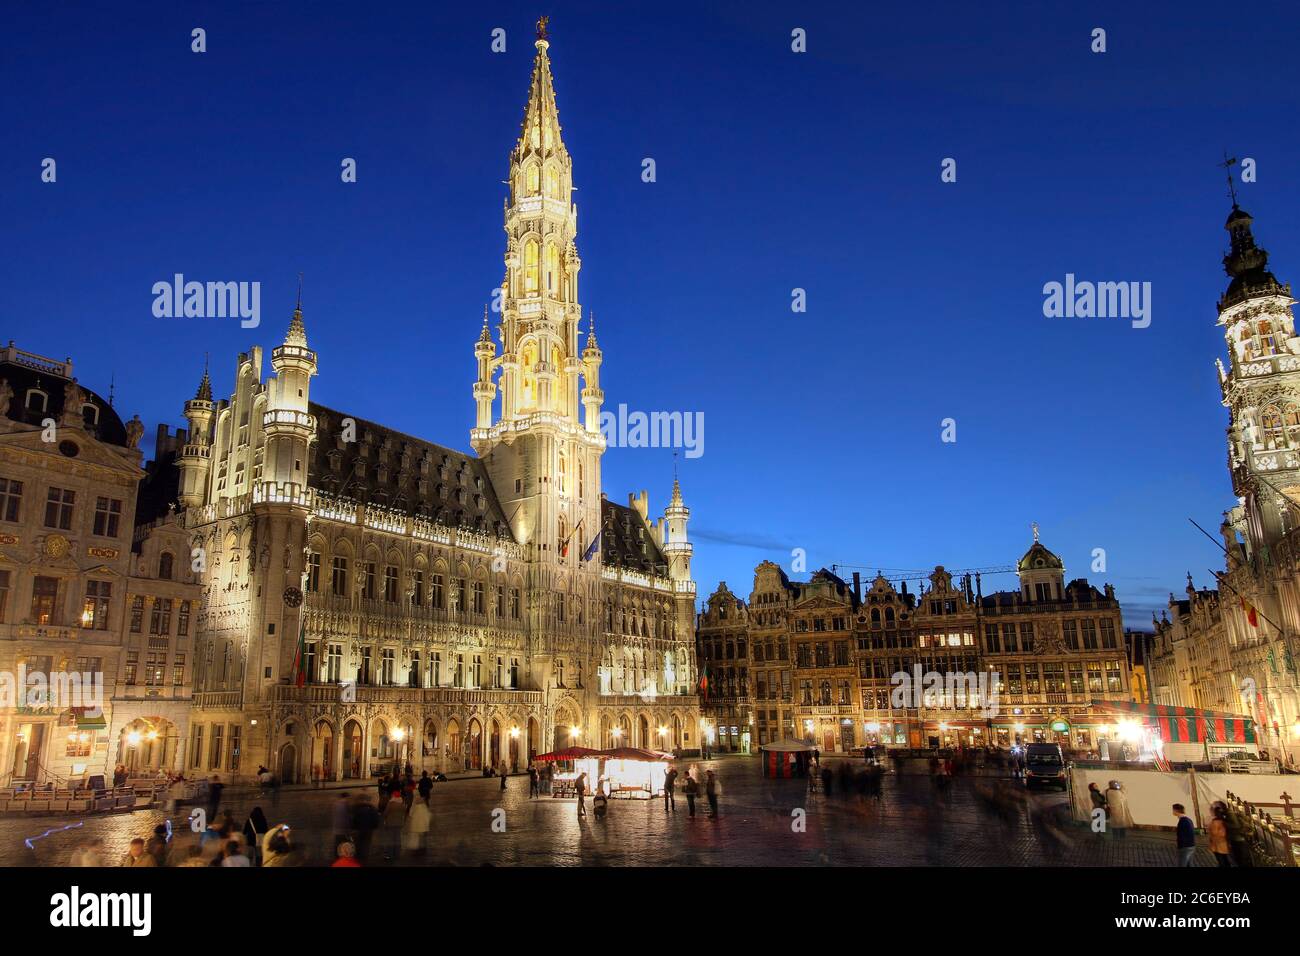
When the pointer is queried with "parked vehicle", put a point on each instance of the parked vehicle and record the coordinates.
(1045, 766)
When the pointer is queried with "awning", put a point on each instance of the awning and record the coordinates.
(630, 753)
(87, 722)
(1190, 725)
(568, 753)
(788, 746)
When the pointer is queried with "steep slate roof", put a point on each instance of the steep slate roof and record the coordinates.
(623, 533)
(23, 377)
(458, 494)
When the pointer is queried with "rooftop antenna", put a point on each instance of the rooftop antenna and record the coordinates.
(299, 307)
(1227, 164)
(112, 379)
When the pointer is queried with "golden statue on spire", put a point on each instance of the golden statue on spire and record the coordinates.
(541, 28)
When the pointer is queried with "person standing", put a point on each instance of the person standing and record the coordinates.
(1098, 799)
(691, 789)
(1218, 833)
(136, 855)
(532, 781)
(1186, 836)
(416, 831)
(711, 791)
(581, 787)
(501, 769)
(1118, 818)
(347, 855)
(670, 783)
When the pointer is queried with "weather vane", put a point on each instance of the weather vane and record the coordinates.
(1227, 164)
(541, 27)
(1034, 526)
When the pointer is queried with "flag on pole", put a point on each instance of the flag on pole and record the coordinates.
(704, 682)
(593, 547)
(1251, 616)
(564, 548)
(300, 655)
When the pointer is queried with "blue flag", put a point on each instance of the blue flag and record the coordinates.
(593, 547)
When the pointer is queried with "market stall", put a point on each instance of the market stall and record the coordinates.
(564, 779)
(786, 758)
(627, 772)
(1162, 732)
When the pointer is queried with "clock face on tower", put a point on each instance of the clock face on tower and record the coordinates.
(292, 596)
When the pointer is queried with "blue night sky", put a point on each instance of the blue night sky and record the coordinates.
(775, 171)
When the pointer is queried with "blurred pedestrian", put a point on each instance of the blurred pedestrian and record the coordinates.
(670, 784)
(365, 820)
(215, 787)
(415, 832)
(1218, 834)
(1118, 818)
(425, 786)
(137, 855)
(532, 781)
(1186, 831)
(711, 791)
(347, 855)
(234, 855)
(691, 789)
(255, 828)
(581, 787)
(278, 849)
(342, 819)
(157, 845)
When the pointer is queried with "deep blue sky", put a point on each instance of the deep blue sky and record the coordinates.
(775, 170)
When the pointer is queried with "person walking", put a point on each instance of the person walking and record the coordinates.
(215, 787)
(365, 820)
(501, 769)
(1186, 836)
(828, 780)
(255, 828)
(1118, 818)
(416, 830)
(233, 854)
(691, 789)
(343, 818)
(670, 783)
(425, 787)
(532, 781)
(711, 791)
(581, 787)
(1218, 833)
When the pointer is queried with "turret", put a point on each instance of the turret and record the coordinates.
(289, 428)
(677, 548)
(592, 396)
(485, 390)
(195, 459)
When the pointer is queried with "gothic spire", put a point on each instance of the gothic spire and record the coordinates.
(297, 334)
(540, 113)
(204, 394)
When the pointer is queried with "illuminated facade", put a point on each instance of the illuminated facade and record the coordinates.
(817, 660)
(96, 596)
(1234, 648)
(372, 598)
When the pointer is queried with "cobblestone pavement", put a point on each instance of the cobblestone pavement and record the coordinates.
(914, 824)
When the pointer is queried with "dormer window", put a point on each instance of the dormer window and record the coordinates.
(90, 414)
(36, 400)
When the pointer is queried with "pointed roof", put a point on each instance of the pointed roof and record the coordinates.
(204, 394)
(541, 107)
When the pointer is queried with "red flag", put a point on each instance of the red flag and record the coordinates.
(1251, 616)
(300, 655)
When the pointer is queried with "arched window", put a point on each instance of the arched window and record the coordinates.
(90, 414)
(552, 183)
(532, 181)
(1270, 421)
(165, 561)
(530, 267)
(552, 267)
(529, 380)
(36, 400)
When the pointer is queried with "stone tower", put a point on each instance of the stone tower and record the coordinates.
(543, 446)
(1261, 390)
